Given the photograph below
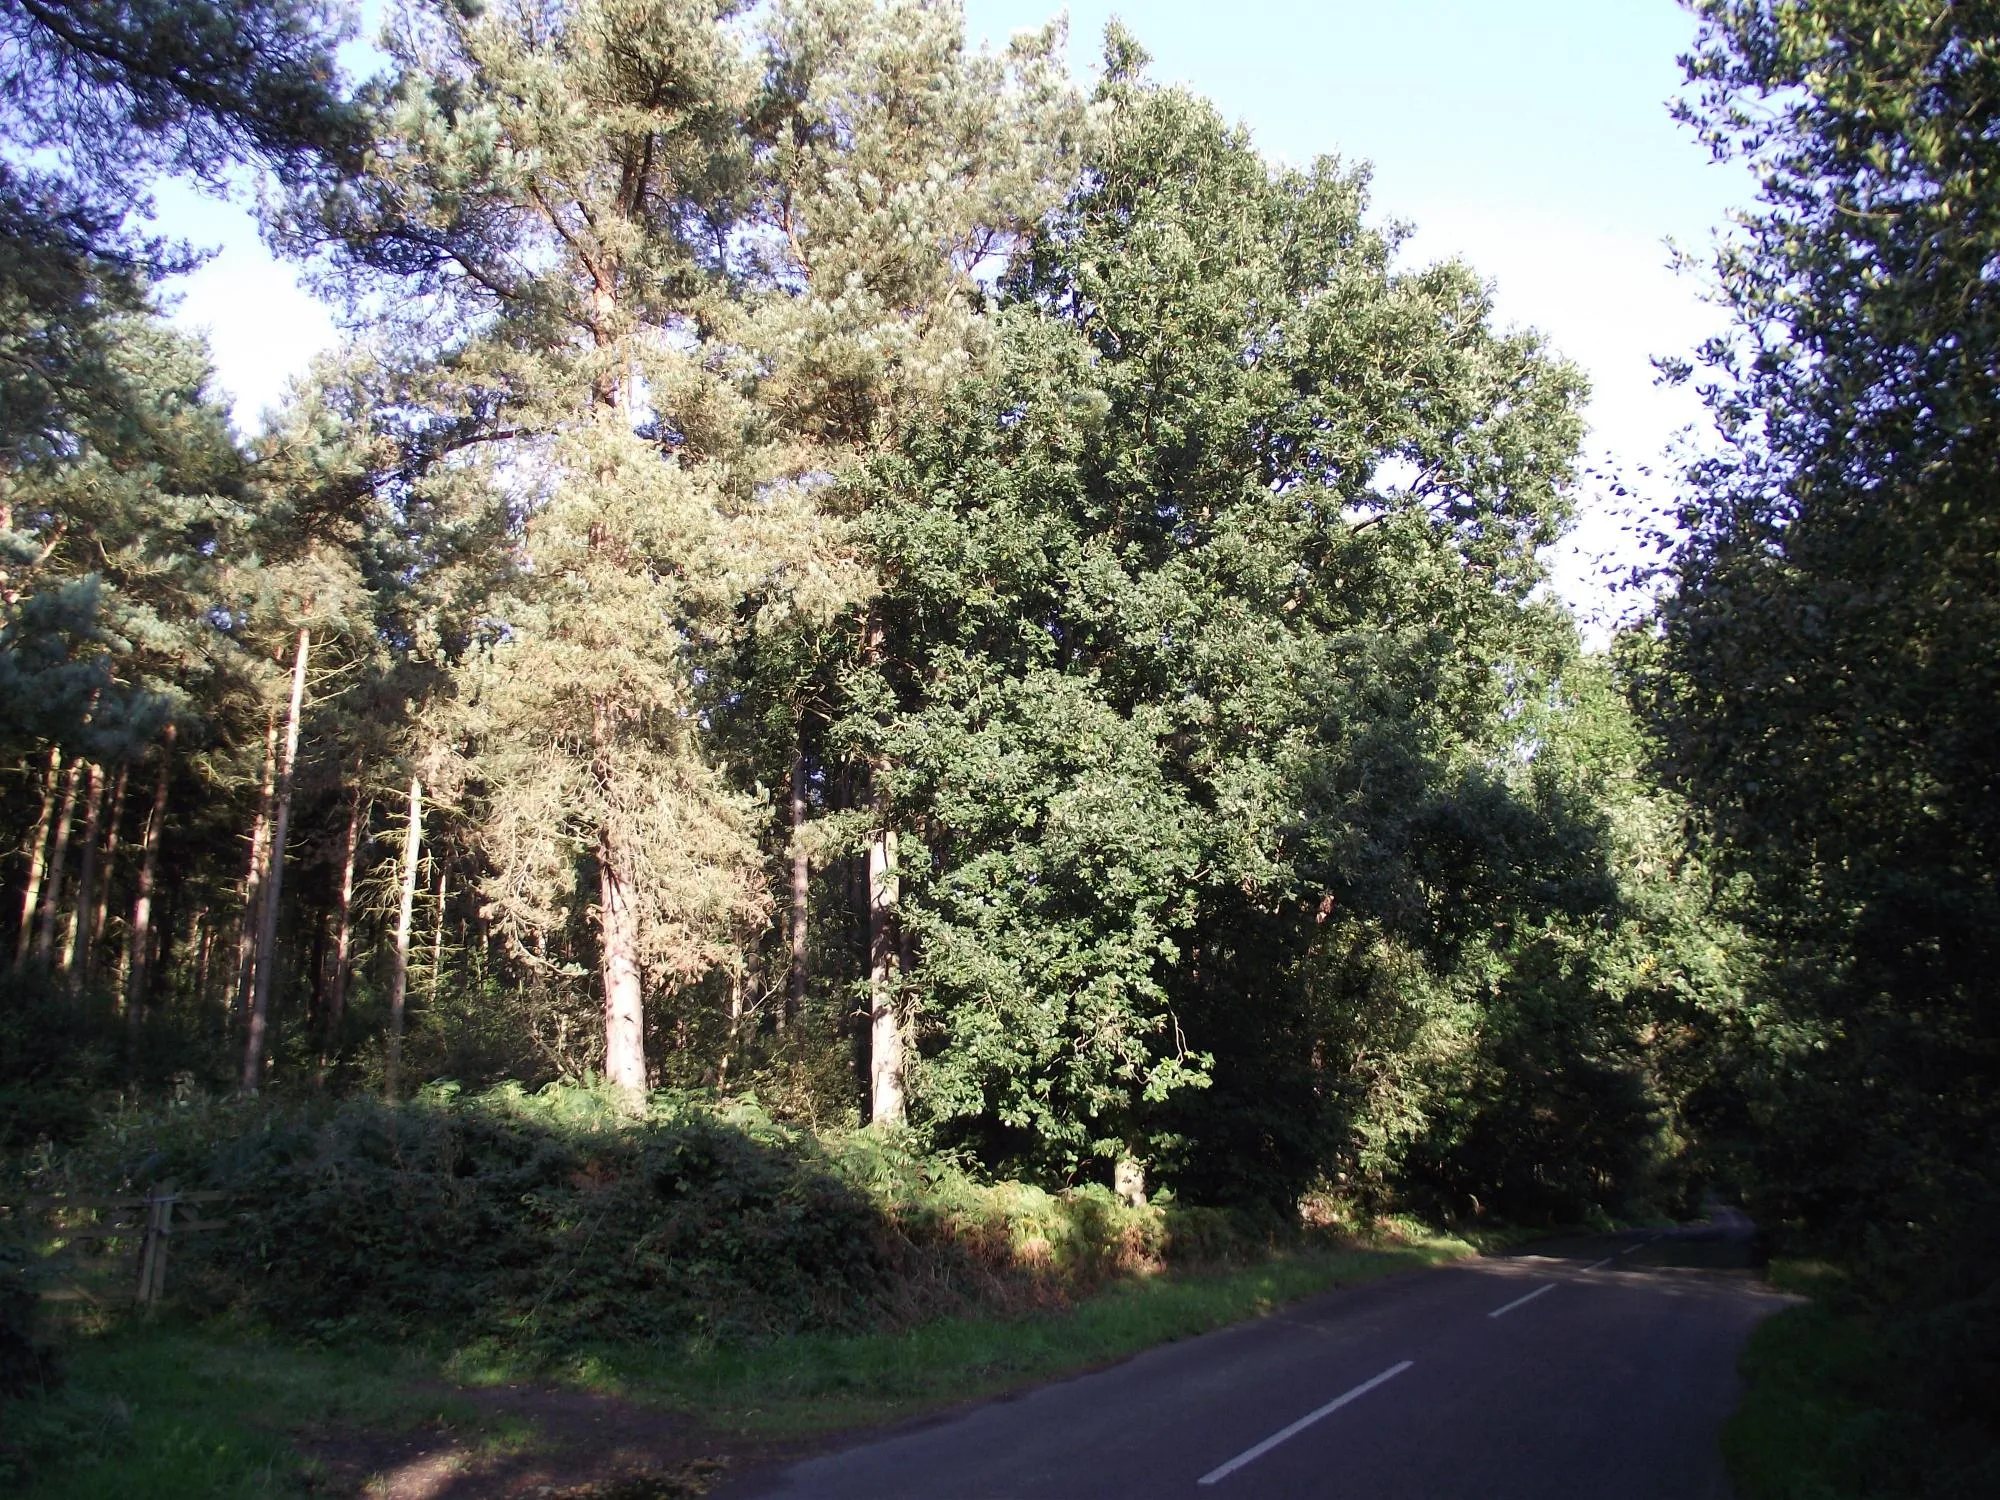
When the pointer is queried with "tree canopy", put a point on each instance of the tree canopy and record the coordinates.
(1825, 679)
(841, 565)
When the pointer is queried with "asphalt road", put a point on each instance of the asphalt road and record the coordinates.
(1597, 1369)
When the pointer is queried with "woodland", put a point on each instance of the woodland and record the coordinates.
(859, 629)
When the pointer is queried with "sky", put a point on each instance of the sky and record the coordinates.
(1530, 138)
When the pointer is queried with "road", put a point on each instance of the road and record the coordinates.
(1591, 1369)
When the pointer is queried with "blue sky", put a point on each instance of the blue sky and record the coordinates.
(1529, 137)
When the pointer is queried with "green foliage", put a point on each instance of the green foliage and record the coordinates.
(66, 276)
(535, 1217)
(1052, 490)
(64, 1057)
(559, 1219)
(120, 486)
(111, 546)
(1207, 618)
(122, 89)
(101, 96)
(162, 1409)
(1825, 683)
(1851, 1402)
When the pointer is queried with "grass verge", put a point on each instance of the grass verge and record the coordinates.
(181, 1409)
(813, 1383)
(172, 1409)
(1832, 1408)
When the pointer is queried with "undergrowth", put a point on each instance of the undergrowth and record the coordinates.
(697, 1254)
(1849, 1398)
(168, 1409)
(559, 1218)
(815, 1382)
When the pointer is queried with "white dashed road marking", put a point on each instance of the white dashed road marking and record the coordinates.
(1518, 1301)
(1251, 1455)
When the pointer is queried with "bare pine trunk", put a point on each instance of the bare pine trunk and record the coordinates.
(205, 931)
(45, 920)
(253, 878)
(76, 938)
(163, 948)
(437, 935)
(734, 1038)
(316, 970)
(795, 998)
(38, 852)
(624, 998)
(100, 912)
(267, 915)
(138, 940)
(617, 920)
(399, 976)
(885, 1029)
(343, 940)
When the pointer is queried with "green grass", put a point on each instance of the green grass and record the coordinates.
(1828, 1411)
(175, 1409)
(170, 1410)
(815, 1383)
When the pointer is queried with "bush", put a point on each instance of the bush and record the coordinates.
(56, 1049)
(1854, 1398)
(558, 1218)
(63, 1052)
(37, 1420)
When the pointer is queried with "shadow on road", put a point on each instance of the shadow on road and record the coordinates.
(1726, 1241)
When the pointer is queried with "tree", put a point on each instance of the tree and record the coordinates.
(680, 303)
(900, 168)
(121, 526)
(1826, 682)
(1203, 609)
(102, 96)
(127, 88)
(121, 489)
(844, 557)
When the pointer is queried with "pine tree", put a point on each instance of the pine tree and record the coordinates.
(732, 292)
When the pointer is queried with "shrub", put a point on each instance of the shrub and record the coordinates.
(558, 1218)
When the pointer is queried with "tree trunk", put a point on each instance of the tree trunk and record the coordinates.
(138, 940)
(624, 998)
(253, 878)
(343, 940)
(38, 852)
(163, 948)
(617, 921)
(795, 997)
(274, 884)
(52, 887)
(76, 940)
(399, 976)
(316, 972)
(734, 1038)
(101, 907)
(205, 934)
(885, 1028)
(1128, 1181)
(437, 933)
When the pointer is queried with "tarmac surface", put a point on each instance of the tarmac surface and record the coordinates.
(1587, 1369)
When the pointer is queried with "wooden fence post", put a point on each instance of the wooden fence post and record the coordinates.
(153, 1252)
(161, 1203)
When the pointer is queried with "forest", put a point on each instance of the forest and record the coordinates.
(860, 621)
